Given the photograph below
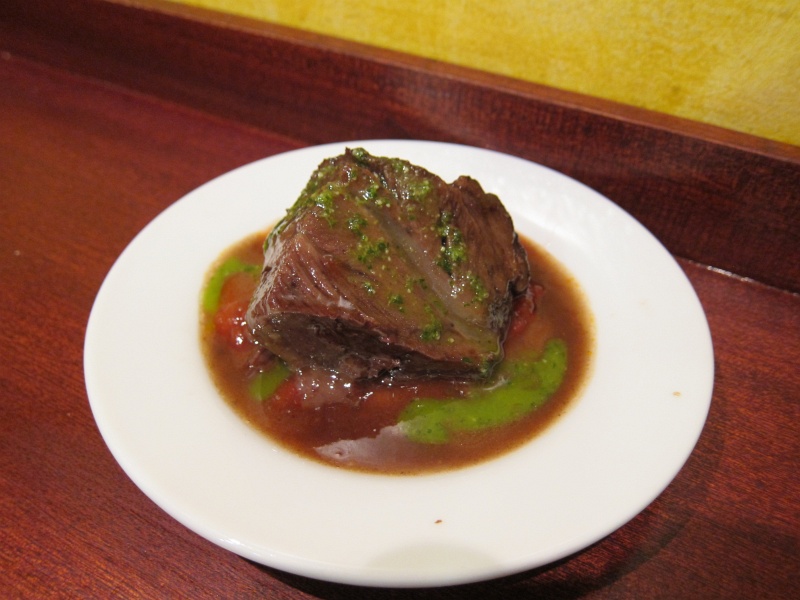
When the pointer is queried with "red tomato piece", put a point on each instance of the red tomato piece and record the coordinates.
(524, 311)
(230, 325)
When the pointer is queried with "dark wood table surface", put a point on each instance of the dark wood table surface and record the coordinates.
(86, 162)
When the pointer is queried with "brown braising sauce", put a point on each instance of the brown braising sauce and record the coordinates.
(372, 426)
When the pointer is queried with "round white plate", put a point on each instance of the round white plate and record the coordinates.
(616, 449)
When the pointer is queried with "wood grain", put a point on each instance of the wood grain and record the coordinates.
(89, 157)
(711, 195)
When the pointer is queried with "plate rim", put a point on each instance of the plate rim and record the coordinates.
(373, 576)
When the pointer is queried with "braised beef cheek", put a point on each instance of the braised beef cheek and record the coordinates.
(381, 268)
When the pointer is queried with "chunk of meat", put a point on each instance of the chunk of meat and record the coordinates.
(380, 267)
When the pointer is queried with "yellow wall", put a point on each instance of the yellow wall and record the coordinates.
(733, 63)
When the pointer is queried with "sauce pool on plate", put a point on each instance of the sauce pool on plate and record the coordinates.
(401, 426)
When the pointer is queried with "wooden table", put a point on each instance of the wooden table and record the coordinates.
(111, 111)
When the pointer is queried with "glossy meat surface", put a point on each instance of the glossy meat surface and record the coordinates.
(381, 267)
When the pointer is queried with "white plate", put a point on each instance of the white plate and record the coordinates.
(624, 440)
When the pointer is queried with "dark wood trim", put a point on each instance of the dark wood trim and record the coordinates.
(721, 198)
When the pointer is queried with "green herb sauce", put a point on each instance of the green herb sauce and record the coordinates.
(265, 383)
(527, 383)
(213, 289)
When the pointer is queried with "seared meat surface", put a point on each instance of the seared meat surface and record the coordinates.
(380, 268)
